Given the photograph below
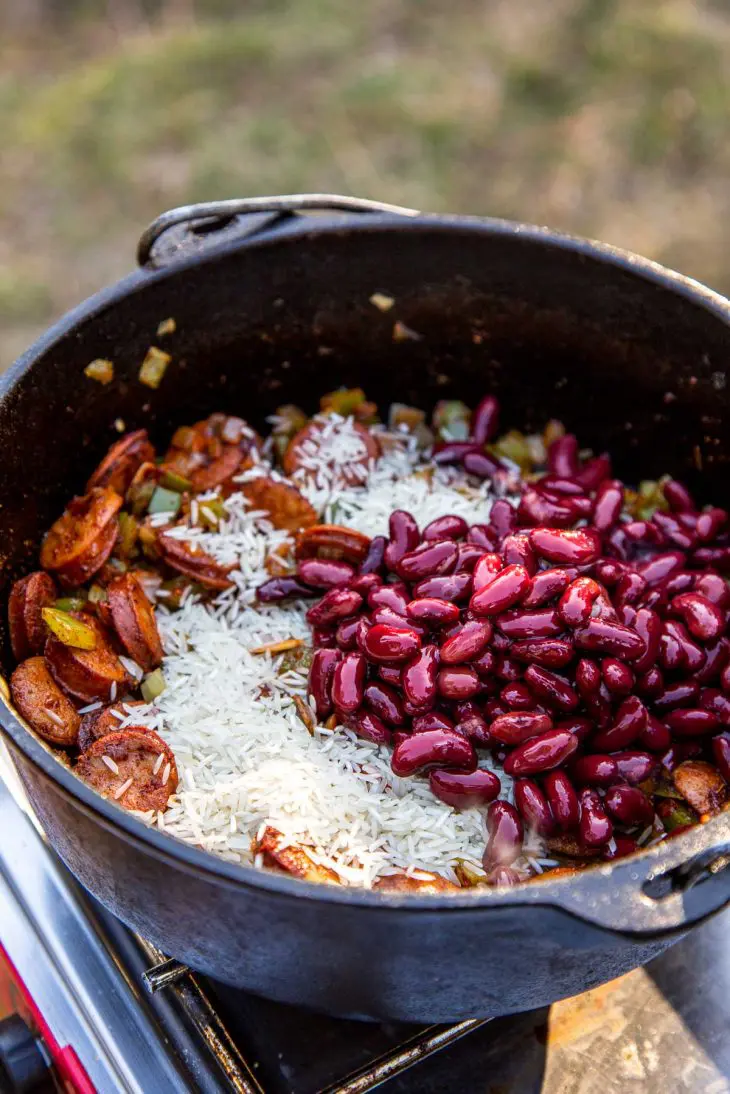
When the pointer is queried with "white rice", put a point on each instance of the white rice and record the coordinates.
(244, 757)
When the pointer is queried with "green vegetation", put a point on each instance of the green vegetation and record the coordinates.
(604, 117)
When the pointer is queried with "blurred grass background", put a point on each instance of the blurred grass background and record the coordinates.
(609, 118)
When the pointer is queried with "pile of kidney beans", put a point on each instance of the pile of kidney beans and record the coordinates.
(585, 649)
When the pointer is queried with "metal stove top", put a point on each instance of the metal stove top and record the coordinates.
(141, 1023)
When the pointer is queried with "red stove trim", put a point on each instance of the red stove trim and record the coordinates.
(65, 1059)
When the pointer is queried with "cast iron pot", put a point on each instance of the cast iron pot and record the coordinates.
(276, 308)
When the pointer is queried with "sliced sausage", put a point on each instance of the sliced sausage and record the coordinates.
(292, 859)
(88, 674)
(211, 451)
(332, 541)
(315, 435)
(402, 883)
(133, 767)
(286, 507)
(97, 723)
(121, 462)
(134, 621)
(189, 559)
(41, 702)
(217, 471)
(28, 598)
(81, 540)
(702, 786)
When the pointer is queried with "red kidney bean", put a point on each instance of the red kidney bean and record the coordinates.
(540, 623)
(368, 725)
(404, 537)
(517, 551)
(469, 641)
(607, 505)
(587, 677)
(518, 697)
(554, 690)
(562, 456)
(502, 518)
(679, 498)
(605, 636)
(346, 633)
(390, 674)
(445, 587)
(579, 726)
(608, 571)
(541, 753)
(680, 582)
(321, 673)
(721, 755)
(594, 471)
(635, 767)
(719, 557)
(485, 420)
(676, 648)
(618, 677)
(709, 523)
(419, 677)
(323, 638)
(448, 527)
(365, 582)
(430, 611)
(545, 586)
(348, 683)
(655, 735)
(483, 536)
(388, 618)
(386, 643)
(715, 588)
(716, 701)
(468, 556)
(595, 828)
(429, 560)
(399, 736)
(534, 509)
(500, 643)
(558, 486)
(650, 683)
(619, 847)
(674, 531)
(283, 588)
(482, 464)
(432, 719)
(562, 799)
(533, 807)
(485, 664)
(324, 573)
(630, 719)
(504, 590)
(576, 603)
(659, 567)
(703, 618)
(692, 723)
(453, 451)
(681, 694)
(393, 596)
(464, 791)
(643, 532)
(476, 729)
(617, 544)
(725, 678)
(596, 770)
(599, 710)
(553, 653)
(649, 626)
(505, 833)
(517, 726)
(626, 615)
(458, 682)
(335, 605)
(572, 548)
(630, 588)
(437, 748)
(485, 571)
(679, 752)
(506, 668)
(494, 709)
(385, 701)
(374, 559)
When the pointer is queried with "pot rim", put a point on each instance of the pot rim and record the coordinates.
(549, 891)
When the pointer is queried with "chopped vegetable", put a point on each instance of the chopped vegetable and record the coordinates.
(172, 481)
(514, 446)
(553, 431)
(349, 402)
(120, 425)
(382, 302)
(290, 419)
(279, 647)
(71, 604)
(153, 367)
(451, 420)
(212, 511)
(305, 714)
(467, 876)
(67, 629)
(164, 501)
(100, 370)
(128, 532)
(675, 815)
(97, 595)
(167, 326)
(153, 686)
(402, 333)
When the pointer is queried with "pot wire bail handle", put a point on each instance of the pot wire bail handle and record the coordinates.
(210, 216)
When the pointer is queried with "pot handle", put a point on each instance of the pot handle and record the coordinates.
(211, 216)
(661, 894)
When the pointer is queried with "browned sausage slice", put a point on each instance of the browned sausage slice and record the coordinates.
(81, 540)
(41, 702)
(121, 462)
(97, 723)
(134, 621)
(218, 471)
(333, 541)
(351, 471)
(286, 507)
(292, 859)
(133, 767)
(88, 674)
(402, 883)
(28, 598)
(192, 561)
(702, 786)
